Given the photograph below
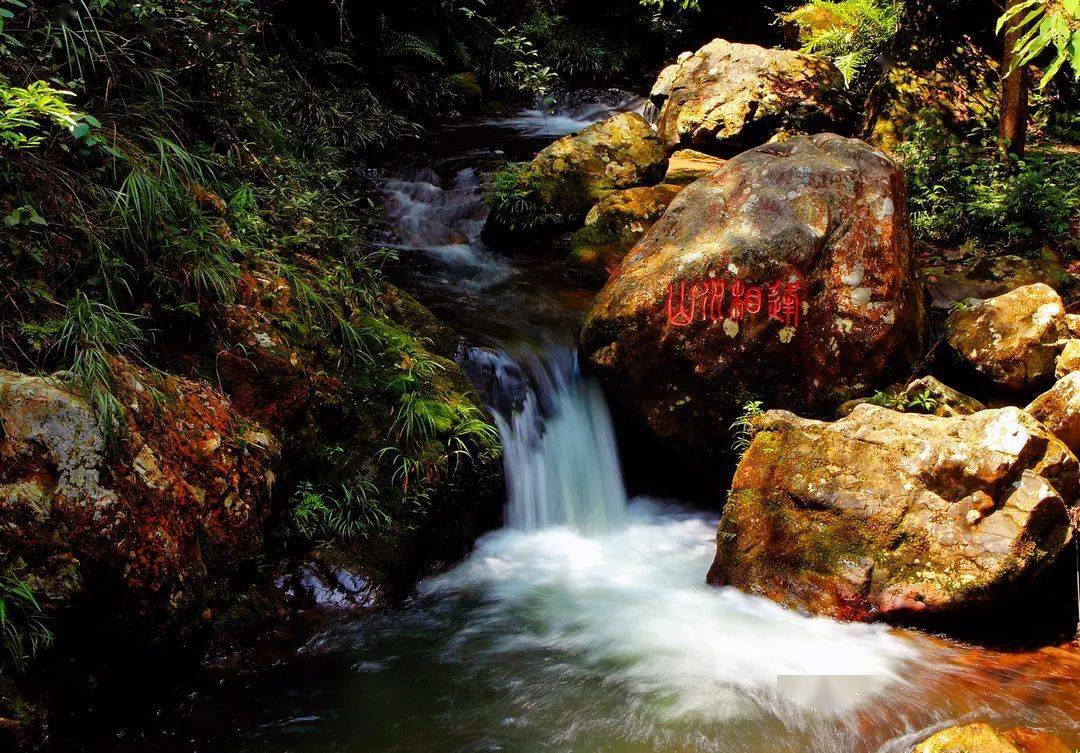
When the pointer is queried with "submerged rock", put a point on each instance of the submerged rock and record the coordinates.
(612, 228)
(1059, 410)
(162, 516)
(577, 171)
(923, 395)
(1012, 340)
(895, 516)
(786, 274)
(727, 97)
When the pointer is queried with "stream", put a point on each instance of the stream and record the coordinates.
(585, 625)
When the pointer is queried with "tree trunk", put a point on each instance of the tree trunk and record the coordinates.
(1014, 92)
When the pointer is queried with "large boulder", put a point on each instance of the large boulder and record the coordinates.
(612, 228)
(895, 516)
(576, 171)
(1011, 340)
(727, 97)
(787, 274)
(157, 518)
(1059, 410)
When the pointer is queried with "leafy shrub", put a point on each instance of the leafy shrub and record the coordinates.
(743, 426)
(847, 32)
(514, 200)
(963, 190)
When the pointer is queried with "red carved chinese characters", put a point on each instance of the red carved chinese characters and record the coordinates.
(716, 299)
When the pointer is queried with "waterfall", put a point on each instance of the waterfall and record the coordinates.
(561, 460)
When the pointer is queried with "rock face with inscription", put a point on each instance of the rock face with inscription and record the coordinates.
(895, 516)
(786, 274)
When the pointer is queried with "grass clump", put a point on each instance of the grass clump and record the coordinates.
(23, 627)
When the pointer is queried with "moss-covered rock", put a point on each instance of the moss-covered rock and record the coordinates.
(727, 97)
(895, 516)
(577, 171)
(1011, 340)
(612, 227)
(994, 275)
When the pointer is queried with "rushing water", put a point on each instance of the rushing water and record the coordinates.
(585, 624)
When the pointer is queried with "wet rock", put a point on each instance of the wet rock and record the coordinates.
(1069, 359)
(576, 171)
(895, 516)
(726, 97)
(162, 516)
(612, 228)
(982, 738)
(1059, 410)
(1012, 340)
(817, 227)
(923, 395)
(993, 276)
(687, 165)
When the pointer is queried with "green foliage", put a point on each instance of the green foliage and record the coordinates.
(960, 190)
(743, 426)
(88, 337)
(924, 402)
(514, 200)
(24, 111)
(343, 513)
(847, 32)
(1043, 25)
(22, 625)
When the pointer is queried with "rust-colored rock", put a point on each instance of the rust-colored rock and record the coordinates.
(923, 395)
(172, 508)
(726, 97)
(1011, 340)
(982, 738)
(1068, 360)
(823, 213)
(895, 516)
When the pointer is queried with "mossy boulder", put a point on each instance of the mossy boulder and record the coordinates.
(727, 97)
(576, 171)
(612, 228)
(1069, 358)
(1012, 341)
(894, 516)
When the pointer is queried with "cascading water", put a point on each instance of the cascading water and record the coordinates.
(585, 624)
(562, 464)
